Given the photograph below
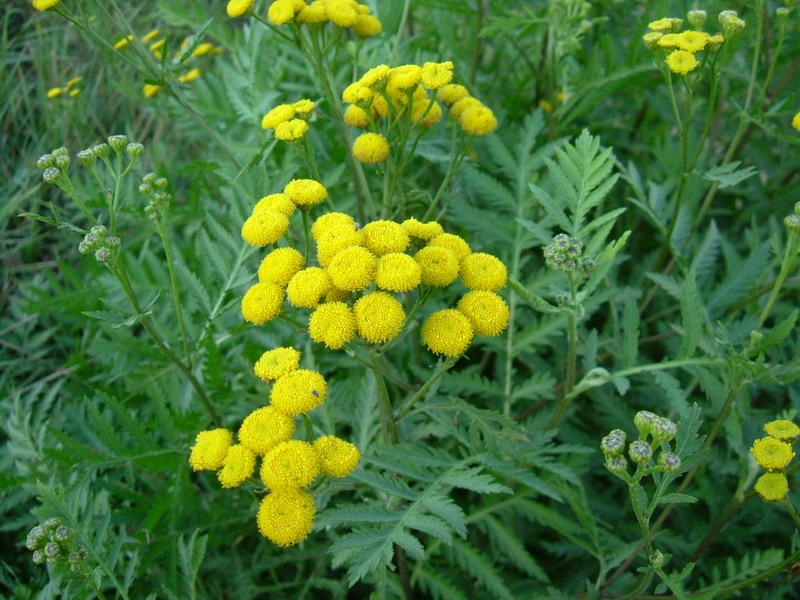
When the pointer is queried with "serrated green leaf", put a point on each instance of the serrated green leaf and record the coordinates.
(692, 311)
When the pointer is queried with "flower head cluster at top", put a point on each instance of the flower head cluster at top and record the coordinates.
(680, 49)
(340, 13)
(288, 466)
(289, 122)
(774, 453)
(641, 452)
(69, 90)
(54, 543)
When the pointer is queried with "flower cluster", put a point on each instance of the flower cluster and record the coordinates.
(340, 13)
(641, 452)
(70, 90)
(105, 247)
(564, 254)
(289, 121)
(52, 542)
(774, 453)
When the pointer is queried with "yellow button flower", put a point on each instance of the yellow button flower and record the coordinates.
(796, 121)
(314, 13)
(149, 90)
(265, 428)
(447, 332)
(332, 324)
(371, 148)
(279, 202)
(367, 26)
(432, 116)
(262, 303)
(190, 76)
(478, 120)
(304, 107)
(357, 93)
(782, 430)
(439, 265)
(681, 62)
(281, 11)
(356, 117)
(280, 265)
(278, 115)
(403, 78)
(772, 487)
(298, 392)
(292, 130)
(44, 4)
(375, 78)
(239, 465)
(662, 25)
(452, 93)
(204, 49)
(305, 192)
(276, 363)
(210, 449)
(454, 243)
(422, 231)
(352, 269)
(398, 272)
(337, 457)
(385, 237)
(459, 107)
(487, 312)
(481, 271)
(123, 42)
(265, 228)
(436, 75)
(328, 221)
(285, 518)
(341, 13)
(308, 287)
(336, 239)
(693, 41)
(772, 454)
(55, 92)
(379, 317)
(670, 41)
(651, 39)
(290, 465)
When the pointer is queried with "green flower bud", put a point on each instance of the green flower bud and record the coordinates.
(161, 183)
(657, 559)
(782, 13)
(664, 430)
(727, 14)
(102, 255)
(669, 462)
(99, 230)
(113, 242)
(60, 152)
(64, 533)
(102, 150)
(697, 18)
(118, 142)
(135, 149)
(45, 161)
(63, 162)
(35, 537)
(612, 445)
(797, 208)
(676, 24)
(732, 26)
(792, 221)
(640, 452)
(149, 179)
(52, 523)
(51, 549)
(39, 557)
(51, 175)
(644, 421)
(617, 465)
(86, 158)
(651, 38)
(74, 567)
(145, 189)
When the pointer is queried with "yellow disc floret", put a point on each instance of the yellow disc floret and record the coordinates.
(262, 302)
(337, 457)
(239, 465)
(285, 518)
(352, 269)
(487, 312)
(379, 317)
(693, 41)
(308, 287)
(403, 78)
(265, 228)
(328, 221)
(292, 130)
(210, 449)
(796, 121)
(457, 244)
(332, 324)
(44, 4)
(237, 8)
(304, 107)
(341, 13)
(452, 93)
(670, 41)
(281, 11)
(422, 231)
(290, 465)
(681, 62)
(298, 392)
(478, 120)
(278, 202)
(265, 428)
(462, 105)
(356, 117)
(447, 332)
(481, 271)
(276, 363)
(367, 26)
(371, 148)
(439, 265)
(436, 75)
(305, 192)
(772, 487)
(398, 272)
(782, 430)
(278, 115)
(385, 237)
(280, 265)
(313, 13)
(662, 25)
(336, 239)
(772, 454)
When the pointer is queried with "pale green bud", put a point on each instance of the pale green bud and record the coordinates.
(63, 162)
(161, 183)
(113, 242)
(86, 158)
(51, 175)
(617, 465)
(657, 559)
(118, 142)
(60, 152)
(149, 179)
(669, 462)
(664, 430)
(797, 208)
(782, 13)
(644, 421)
(102, 150)
(640, 452)
(102, 255)
(135, 149)
(612, 445)
(792, 221)
(697, 18)
(145, 189)
(99, 230)
(45, 161)
(39, 557)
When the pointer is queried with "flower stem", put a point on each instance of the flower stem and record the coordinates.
(445, 366)
(388, 429)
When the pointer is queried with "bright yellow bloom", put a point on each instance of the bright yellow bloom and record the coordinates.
(280, 202)
(487, 312)
(452, 93)
(281, 11)
(265, 228)
(278, 115)
(314, 13)
(298, 392)
(44, 4)
(74, 81)
(150, 35)
(681, 62)
(289, 131)
(335, 239)
(158, 47)
(123, 42)
(328, 221)
(356, 117)
(436, 75)
(239, 465)
(236, 8)
(276, 363)
(75, 92)
(462, 105)
(478, 120)
(305, 192)
(337, 457)
(308, 287)
(782, 430)
(262, 303)
(375, 78)
(363, 9)
(210, 449)
(290, 465)
(367, 26)
(303, 107)
(670, 41)
(371, 148)
(772, 487)
(457, 244)
(447, 332)
(433, 116)
(693, 41)
(481, 271)
(280, 265)
(662, 25)
(190, 76)
(772, 454)
(204, 49)
(796, 121)
(332, 324)
(714, 42)
(439, 265)
(398, 272)
(341, 13)
(150, 90)
(265, 428)
(55, 92)
(379, 107)
(422, 231)
(385, 237)
(285, 518)
(403, 78)
(379, 317)
(352, 269)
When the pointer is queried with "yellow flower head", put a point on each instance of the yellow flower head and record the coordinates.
(398, 272)
(772, 487)
(546, 106)
(357, 93)
(314, 13)
(452, 93)
(204, 49)
(341, 14)
(367, 26)
(123, 42)
(265, 228)
(239, 465)
(332, 324)
(782, 430)
(285, 518)
(190, 76)
(265, 428)
(262, 303)
(670, 41)
(796, 121)
(662, 26)
(279, 114)
(436, 75)
(74, 81)
(447, 332)
(352, 269)
(236, 8)
(44, 4)
(693, 41)
(210, 449)
(280, 202)
(298, 392)
(478, 120)
(356, 117)
(681, 62)
(459, 107)
(651, 39)
(55, 92)
(281, 11)
(422, 231)
(481, 271)
(433, 115)
(439, 265)
(403, 78)
(337, 457)
(276, 363)
(772, 454)
(328, 221)
(304, 107)
(150, 35)
(305, 192)
(385, 237)
(714, 42)
(292, 130)
(280, 265)
(75, 92)
(371, 148)
(308, 287)
(335, 239)
(158, 47)
(379, 317)
(375, 78)
(379, 107)
(487, 312)
(150, 90)
(290, 465)
(455, 243)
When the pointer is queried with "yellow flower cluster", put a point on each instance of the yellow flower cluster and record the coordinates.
(681, 47)
(44, 4)
(70, 89)
(341, 13)
(289, 121)
(774, 453)
(796, 121)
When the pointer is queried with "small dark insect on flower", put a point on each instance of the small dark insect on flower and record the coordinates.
(315, 392)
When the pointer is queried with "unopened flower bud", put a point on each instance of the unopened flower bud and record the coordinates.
(51, 175)
(162, 197)
(797, 208)
(697, 18)
(563, 298)
(664, 430)
(669, 462)
(145, 189)
(60, 152)
(149, 179)
(102, 255)
(782, 13)
(63, 161)
(657, 559)
(792, 221)
(135, 149)
(86, 158)
(644, 421)
(102, 150)
(612, 445)
(64, 533)
(39, 557)
(83, 247)
(676, 24)
(73, 557)
(99, 230)
(651, 39)
(51, 549)
(45, 161)
(74, 567)
(617, 465)
(727, 14)
(118, 142)
(733, 26)
(715, 42)
(161, 183)
(82, 552)
(640, 452)
(113, 241)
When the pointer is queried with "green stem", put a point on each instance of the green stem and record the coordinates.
(176, 296)
(90, 579)
(445, 366)
(642, 518)
(788, 504)
(399, 36)
(388, 429)
(784, 564)
(309, 427)
(455, 162)
(306, 235)
(786, 265)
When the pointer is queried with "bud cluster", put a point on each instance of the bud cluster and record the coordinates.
(640, 451)
(105, 247)
(54, 165)
(564, 254)
(732, 25)
(792, 221)
(52, 542)
(154, 187)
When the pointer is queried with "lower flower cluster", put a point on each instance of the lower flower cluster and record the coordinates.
(641, 452)
(774, 453)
